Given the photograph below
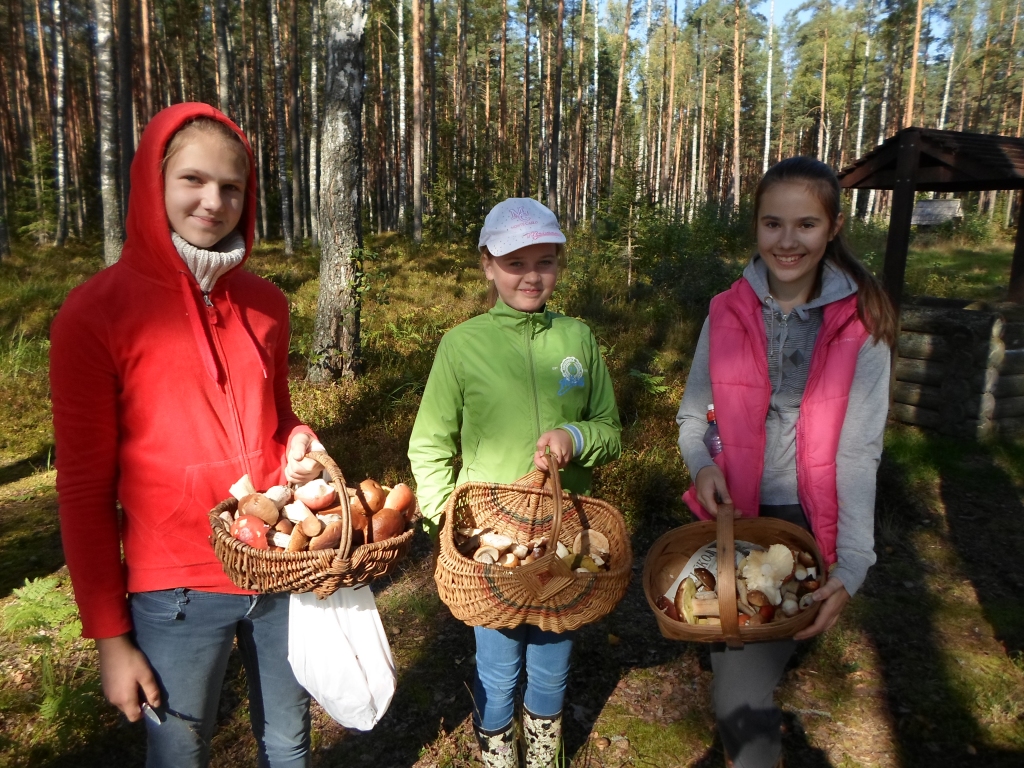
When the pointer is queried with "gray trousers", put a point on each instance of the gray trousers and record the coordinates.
(743, 691)
(749, 723)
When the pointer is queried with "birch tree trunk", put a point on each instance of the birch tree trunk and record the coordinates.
(502, 100)
(59, 139)
(593, 125)
(113, 233)
(863, 104)
(282, 157)
(417, 120)
(616, 114)
(314, 127)
(556, 111)
(336, 346)
(949, 81)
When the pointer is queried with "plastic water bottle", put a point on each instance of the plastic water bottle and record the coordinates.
(712, 440)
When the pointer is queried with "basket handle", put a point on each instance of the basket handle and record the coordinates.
(338, 480)
(556, 500)
(726, 549)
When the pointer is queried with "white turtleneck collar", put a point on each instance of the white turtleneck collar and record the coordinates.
(208, 265)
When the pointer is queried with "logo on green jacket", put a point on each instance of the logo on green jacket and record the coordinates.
(572, 375)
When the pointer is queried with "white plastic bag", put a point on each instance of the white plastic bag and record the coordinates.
(339, 653)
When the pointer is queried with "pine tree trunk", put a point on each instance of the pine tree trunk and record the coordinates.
(417, 120)
(5, 232)
(314, 123)
(821, 113)
(525, 181)
(908, 115)
(616, 114)
(736, 74)
(44, 70)
(113, 233)
(336, 337)
(768, 91)
(593, 124)
(125, 106)
(147, 77)
(282, 156)
(60, 142)
(295, 123)
(400, 137)
(502, 99)
(669, 108)
(556, 112)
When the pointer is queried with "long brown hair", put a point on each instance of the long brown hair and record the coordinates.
(873, 304)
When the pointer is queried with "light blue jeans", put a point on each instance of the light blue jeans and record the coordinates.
(187, 636)
(499, 660)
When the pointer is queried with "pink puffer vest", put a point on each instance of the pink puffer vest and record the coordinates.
(742, 391)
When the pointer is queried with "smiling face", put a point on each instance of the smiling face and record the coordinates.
(524, 278)
(793, 230)
(204, 189)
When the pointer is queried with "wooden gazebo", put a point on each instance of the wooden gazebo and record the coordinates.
(925, 160)
(957, 370)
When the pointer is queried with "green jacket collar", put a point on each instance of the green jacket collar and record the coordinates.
(505, 313)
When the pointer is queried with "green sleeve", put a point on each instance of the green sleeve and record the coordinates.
(600, 428)
(435, 439)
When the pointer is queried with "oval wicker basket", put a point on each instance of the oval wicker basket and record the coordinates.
(680, 543)
(321, 572)
(545, 593)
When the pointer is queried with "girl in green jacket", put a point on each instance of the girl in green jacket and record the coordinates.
(505, 388)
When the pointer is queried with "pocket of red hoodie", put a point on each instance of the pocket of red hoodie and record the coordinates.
(183, 537)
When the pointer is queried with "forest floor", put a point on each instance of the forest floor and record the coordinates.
(925, 668)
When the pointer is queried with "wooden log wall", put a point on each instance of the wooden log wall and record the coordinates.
(961, 371)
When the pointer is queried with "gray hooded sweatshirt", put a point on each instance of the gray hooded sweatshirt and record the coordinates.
(790, 344)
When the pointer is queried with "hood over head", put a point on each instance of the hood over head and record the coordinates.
(148, 247)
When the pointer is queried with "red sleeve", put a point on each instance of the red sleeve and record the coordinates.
(84, 384)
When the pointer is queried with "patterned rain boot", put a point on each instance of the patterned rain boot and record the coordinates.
(542, 737)
(498, 748)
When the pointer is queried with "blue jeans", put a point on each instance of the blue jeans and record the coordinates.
(187, 636)
(499, 660)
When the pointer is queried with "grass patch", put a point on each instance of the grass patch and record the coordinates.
(929, 657)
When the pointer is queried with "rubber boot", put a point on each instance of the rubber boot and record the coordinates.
(498, 748)
(542, 737)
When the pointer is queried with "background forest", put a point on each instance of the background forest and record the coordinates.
(612, 113)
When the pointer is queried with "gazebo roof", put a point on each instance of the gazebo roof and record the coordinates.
(950, 161)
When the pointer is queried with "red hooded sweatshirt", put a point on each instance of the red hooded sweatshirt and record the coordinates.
(161, 402)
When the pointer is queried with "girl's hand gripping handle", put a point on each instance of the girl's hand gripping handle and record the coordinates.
(712, 490)
(558, 443)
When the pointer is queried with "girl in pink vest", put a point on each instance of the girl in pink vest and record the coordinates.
(795, 359)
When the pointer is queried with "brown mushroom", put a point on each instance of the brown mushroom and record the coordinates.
(258, 505)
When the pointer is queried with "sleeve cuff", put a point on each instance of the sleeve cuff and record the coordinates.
(577, 438)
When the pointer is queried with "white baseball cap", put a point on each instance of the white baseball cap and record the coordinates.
(517, 222)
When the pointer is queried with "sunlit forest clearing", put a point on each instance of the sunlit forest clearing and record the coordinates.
(646, 127)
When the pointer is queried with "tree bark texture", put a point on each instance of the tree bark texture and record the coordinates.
(113, 232)
(617, 114)
(417, 120)
(59, 137)
(282, 158)
(336, 346)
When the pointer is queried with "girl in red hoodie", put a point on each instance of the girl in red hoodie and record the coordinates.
(169, 380)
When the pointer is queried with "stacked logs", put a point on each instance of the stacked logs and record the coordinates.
(960, 371)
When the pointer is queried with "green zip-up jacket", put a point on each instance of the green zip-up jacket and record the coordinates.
(499, 381)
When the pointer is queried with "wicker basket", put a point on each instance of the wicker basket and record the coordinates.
(545, 593)
(321, 572)
(680, 543)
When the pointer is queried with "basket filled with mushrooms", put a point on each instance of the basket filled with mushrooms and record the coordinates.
(733, 580)
(316, 537)
(524, 553)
